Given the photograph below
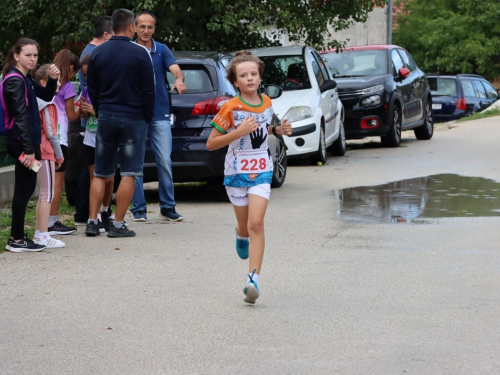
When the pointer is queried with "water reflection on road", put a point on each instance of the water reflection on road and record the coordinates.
(437, 196)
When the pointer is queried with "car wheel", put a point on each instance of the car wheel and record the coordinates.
(426, 131)
(280, 163)
(393, 137)
(320, 156)
(339, 146)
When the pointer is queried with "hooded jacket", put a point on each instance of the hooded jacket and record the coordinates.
(50, 146)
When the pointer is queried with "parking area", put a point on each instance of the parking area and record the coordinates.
(337, 296)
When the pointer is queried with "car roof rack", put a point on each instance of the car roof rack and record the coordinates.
(469, 75)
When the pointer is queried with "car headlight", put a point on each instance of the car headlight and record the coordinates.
(371, 101)
(298, 113)
(372, 89)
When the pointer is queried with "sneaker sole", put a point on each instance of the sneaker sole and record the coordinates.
(22, 250)
(61, 232)
(92, 234)
(169, 219)
(141, 220)
(116, 235)
(251, 295)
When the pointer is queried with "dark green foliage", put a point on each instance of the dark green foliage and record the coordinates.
(223, 25)
(452, 36)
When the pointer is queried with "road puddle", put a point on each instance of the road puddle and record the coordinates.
(437, 196)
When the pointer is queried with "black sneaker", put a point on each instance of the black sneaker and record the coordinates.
(101, 227)
(170, 214)
(92, 229)
(22, 246)
(59, 228)
(120, 232)
(105, 220)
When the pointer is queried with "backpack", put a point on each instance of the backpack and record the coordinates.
(6, 124)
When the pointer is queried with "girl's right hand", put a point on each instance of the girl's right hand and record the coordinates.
(28, 160)
(248, 125)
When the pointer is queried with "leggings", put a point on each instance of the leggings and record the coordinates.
(24, 187)
(46, 176)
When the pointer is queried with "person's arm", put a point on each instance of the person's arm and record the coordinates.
(93, 85)
(179, 84)
(48, 126)
(47, 93)
(284, 129)
(73, 114)
(218, 139)
(14, 92)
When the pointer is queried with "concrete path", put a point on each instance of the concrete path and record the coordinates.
(336, 296)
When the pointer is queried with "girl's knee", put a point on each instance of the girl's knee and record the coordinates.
(255, 225)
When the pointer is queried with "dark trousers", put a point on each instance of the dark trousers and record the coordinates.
(82, 196)
(24, 187)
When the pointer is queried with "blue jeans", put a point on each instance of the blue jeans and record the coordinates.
(160, 136)
(119, 136)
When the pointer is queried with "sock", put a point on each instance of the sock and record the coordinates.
(52, 220)
(241, 238)
(37, 233)
(44, 235)
(255, 278)
(118, 224)
(104, 208)
(94, 221)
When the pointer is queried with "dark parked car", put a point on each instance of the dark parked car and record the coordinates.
(383, 92)
(192, 112)
(454, 97)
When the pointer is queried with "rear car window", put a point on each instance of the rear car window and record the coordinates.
(196, 78)
(443, 86)
(480, 89)
(490, 90)
(288, 72)
(356, 63)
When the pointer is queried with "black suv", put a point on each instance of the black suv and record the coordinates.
(383, 92)
(454, 97)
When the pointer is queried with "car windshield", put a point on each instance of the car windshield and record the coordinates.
(356, 63)
(196, 79)
(443, 86)
(288, 72)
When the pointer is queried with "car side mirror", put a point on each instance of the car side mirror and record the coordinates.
(273, 91)
(404, 72)
(328, 84)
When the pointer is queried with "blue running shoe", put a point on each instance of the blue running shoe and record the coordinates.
(242, 246)
(251, 290)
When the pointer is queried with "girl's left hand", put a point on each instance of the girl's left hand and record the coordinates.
(285, 128)
(54, 71)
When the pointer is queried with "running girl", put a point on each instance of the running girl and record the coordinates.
(243, 124)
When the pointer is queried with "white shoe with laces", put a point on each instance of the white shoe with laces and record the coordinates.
(49, 242)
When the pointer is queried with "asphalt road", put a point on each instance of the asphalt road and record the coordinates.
(336, 296)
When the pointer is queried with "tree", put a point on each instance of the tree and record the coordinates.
(221, 25)
(452, 36)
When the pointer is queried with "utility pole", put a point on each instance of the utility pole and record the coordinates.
(389, 23)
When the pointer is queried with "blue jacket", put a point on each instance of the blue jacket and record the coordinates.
(121, 81)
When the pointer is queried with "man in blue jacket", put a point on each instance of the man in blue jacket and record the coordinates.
(160, 133)
(121, 86)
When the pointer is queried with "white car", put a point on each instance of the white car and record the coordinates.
(309, 101)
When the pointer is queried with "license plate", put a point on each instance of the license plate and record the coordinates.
(436, 106)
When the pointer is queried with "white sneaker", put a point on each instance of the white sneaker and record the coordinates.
(49, 242)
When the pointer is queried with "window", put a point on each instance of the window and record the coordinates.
(288, 72)
(356, 63)
(443, 86)
(397, 63)
(481, 92)
(490, 90)
(196, 78)
(408, 60)
(468, 88)
(318, 66)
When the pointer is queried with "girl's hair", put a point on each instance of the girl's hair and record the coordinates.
(63, 60)
(240, 57)
(41, 72)
(16, 49)
(85, 60)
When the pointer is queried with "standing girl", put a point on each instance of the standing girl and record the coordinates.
(69, 64)
(243, 124)
(52, 158)
(20, 94)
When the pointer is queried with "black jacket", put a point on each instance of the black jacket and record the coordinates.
(26, 118)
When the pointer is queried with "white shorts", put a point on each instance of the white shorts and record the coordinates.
(239, 195)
